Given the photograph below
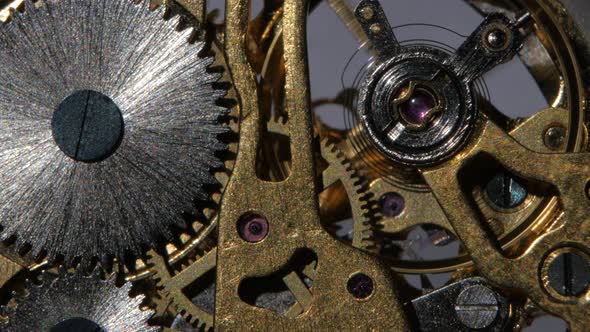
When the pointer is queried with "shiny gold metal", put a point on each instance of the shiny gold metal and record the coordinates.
(510, 247)
(491, 262)
(522, 236)
(340, 170)
(290, 206)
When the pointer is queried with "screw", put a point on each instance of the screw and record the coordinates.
(477, 307)
(87, 126)
(253, 228)
(367, 13)
(496, 39)
(376, 28)
(392, 204)
(360, 286)
(505, 191)
(569, 274)
(554, 137)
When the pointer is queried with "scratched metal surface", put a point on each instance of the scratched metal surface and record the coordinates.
(75, 295)
(160, 83)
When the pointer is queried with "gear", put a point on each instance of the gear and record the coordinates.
(340, 169)
(77, 299)
(198, 310)
(108, 132)
(171, 284)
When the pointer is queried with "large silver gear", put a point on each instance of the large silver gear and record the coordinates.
(74, 296)
(117, 207)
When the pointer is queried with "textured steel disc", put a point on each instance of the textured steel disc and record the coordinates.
(73, 299)
(128, 200)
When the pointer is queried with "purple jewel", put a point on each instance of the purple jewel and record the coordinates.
(392, 204)
(416, 109)
(253, 228)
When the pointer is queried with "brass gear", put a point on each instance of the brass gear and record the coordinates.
(340, 169)
(171, 282)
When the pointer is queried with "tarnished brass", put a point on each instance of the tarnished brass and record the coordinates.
(290, 206)
(520, 272)
(314, 172)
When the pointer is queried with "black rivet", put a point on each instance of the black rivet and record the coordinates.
(88, 126)
(76, 325)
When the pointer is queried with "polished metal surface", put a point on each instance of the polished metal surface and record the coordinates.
(468, 305)
(450, 77)
(385, 127)
(455, 216)
(57, 301)
(162, 86)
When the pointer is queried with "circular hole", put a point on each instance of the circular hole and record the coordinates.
(392, 204)
(360, 286)
(253, 227)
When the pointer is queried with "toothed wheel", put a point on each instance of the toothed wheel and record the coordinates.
(109, 132)
(76, 299)
(171, 286)
(340, 169)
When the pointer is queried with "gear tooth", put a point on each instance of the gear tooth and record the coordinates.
(216, 77)
(56, 248)
(176, 299)
(78, 290)
(96, 273)
(356, 189)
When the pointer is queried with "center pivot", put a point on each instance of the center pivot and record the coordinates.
(432, 92)
(415, 108)
(417, 105)
(88, 126)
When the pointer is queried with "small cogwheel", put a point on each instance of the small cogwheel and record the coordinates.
(76, 299)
